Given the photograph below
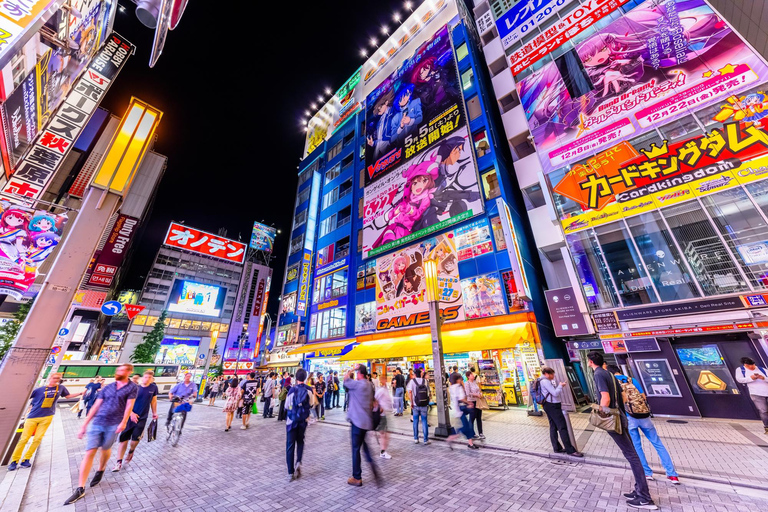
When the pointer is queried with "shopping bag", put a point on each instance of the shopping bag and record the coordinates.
(481, 403)
(254, 409)
(152, 431)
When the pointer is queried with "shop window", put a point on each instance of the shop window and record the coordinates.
(661, 257)
(461, 51)
(576, 80)
(482, 146)
(328, 324)
(743, 228)
(334, 151)
(626, 267)
(466, 79)
(593, 274)
(533, 197)
(473, 108)
(491, 185)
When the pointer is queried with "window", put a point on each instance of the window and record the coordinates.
(461, 51)
(297, 243)
(362, 152)
(344, 216)
(330, 198)
(473, 108)
(300, 219)
(325, 255)
(334, 151)
(82, 372)
(303, 196)
(345, 188)
(349, 137)
(593, 274)
(466, 79)
(342, 247)
(327, 225)
(331, 323)
(533, 197)
(360, 207)
(330, 286)
(491, 185)
(572, 72)
(482, 146)
(307, 173)
(332, 173)
(347, 160)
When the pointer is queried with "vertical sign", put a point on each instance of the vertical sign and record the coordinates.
(306, 270)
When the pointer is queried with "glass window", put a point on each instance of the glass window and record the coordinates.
(533, 197)
(107, 371)
(140, 320)
(461, 51)
(332, 173)
(661, 257)
(151, 321)
(482, 146)
(334, 151)
(195, 325)
(594, 276)
(224, 328)
(175, 323)
(702, 248)
(473, 108)
(491, 185)
(466, 79)
(81, 372)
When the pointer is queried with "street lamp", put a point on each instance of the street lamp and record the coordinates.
(443, 428)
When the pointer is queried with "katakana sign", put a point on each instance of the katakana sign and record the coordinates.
(206, 243)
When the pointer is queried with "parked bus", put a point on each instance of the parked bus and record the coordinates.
(76, 374)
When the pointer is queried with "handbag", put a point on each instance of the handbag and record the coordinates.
(283, 394)
(152, 431)
(481, 403)
(609, 421)
(312, 400)
(254, 409)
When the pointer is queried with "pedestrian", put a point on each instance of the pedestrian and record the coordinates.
(185, 390)
(398, 388)
(383, 406)
(42, 407)
(756, 379)
(320, 389)
(214, 391)
(297, 413)
(248, 393)
(336, 390)
(108, 417)
(146, 398)
(360, 415)
(609, 398)
(454, 375)
(232, 397)
(285, 387)
(418, 391)
(553, 406)
(91, 390)
(135, 378)
(267, 392)
(473, 395)
(328, 391)
(408, 379)
(460, 408)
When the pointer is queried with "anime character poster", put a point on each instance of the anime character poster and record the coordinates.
(27, 238)
(658, 62)
(413, 109)
(401, 296)
(437, 189)
(483, 296)
(365, 318)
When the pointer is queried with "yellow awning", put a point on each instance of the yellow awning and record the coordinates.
(454, 342)
(314, 347)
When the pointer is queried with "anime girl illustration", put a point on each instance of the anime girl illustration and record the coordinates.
(487, 291)
(398, 269)
(417, 196)
(43, 223)
(432, 82)
(43, 245)
(407, 114)
(749, 109)
(13, 234)
(412, 278)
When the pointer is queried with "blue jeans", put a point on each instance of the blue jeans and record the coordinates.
(399, 394)
(294, 444)
(420, 412)
(646, 425)
(466, 425)
(358, 441)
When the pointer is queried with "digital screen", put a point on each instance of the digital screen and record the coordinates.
(196, 298)
(700, 356)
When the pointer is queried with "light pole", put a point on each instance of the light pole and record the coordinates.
(240, 343)
(443, 428)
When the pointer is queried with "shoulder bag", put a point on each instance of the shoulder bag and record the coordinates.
(609, 421)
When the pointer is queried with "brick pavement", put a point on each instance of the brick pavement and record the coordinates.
(245, 470)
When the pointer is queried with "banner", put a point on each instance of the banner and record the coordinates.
(414, 108)
(27, 238)
(431, 192)
(483, 296)
(111, 256)
(305, 274)
(656, 63)
(263, 237)
(203, 242)
(365, 318)
(525, 16)
(20, 118)
(401, 297)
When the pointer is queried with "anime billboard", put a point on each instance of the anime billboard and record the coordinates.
(27, 238)
(437, 189)
(413, 109)
(401, 296)
(483, 296)
(658, 62)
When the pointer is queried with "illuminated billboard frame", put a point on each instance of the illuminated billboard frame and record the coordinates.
(206, 299)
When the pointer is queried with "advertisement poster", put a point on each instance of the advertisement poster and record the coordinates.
(196, 298)
(523, 17)
(289, 303)
(483, 296)
(414, 108)
(20, 118)
(365, 318)
(27, 238)
(263, 237)
(437, 189)
(401, 296)
(657, 63)
(474, 239)
(202, 242)
(176, 350)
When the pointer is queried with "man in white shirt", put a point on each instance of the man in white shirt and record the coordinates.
(756, 379)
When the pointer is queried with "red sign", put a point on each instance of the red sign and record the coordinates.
(691, 330)
(132, 310)
(206, 243)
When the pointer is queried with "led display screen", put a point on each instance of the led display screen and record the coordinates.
(196, 298)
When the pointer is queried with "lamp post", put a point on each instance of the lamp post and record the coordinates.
(443, 428)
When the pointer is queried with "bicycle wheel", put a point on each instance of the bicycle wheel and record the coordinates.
(175, 431)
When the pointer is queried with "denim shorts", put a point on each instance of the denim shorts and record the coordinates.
(100, 436)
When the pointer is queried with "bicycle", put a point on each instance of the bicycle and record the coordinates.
(177, 421)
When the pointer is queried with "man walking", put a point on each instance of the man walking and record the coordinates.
(360, 415)
(185, 390)
(320, 392)
(89, 398)
(267, 392)
(249, 391)
(418, 392)
(297, 412)
(42, 406)
(554, 409)
(399, 391)
(146, 398)
(756, 379)
(109, 417)
(336, 389)
(609, 398)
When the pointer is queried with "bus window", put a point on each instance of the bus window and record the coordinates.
(62, 369)
(108, 372)
(166, 371)
(141, 369)
(79, 372)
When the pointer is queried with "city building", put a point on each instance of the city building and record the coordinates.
(638, 137)
(404, 164)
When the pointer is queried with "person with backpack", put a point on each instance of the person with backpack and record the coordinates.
(297, 413)
(756, 379)
(473, 394)
(418, 391)
(547, 393)
(639, 418)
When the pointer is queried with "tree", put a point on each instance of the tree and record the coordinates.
(10, 330)
(146, 351)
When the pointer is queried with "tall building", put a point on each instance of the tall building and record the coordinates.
(404, 164)
(639, 141)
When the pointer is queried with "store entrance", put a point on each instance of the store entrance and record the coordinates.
(709, 367)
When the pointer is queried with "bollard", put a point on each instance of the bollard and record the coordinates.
(570, 429)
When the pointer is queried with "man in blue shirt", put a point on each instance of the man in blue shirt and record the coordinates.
(145, 399)
(186, 390)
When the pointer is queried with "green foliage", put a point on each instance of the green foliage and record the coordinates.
(146, 351)
(10, 330)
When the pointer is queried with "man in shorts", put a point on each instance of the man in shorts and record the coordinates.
(146, 398)
(250, 390)
(108, 417)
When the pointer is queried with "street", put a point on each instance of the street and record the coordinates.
(245, 470)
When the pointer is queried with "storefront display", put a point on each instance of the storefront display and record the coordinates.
(490, 382)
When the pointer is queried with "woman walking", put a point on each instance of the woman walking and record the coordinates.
(214, 391)
(460, 408)
(232, 394)
(285, 387)
(473, 394)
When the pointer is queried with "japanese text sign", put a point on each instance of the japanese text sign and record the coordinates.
(206, 243)
(524, 16)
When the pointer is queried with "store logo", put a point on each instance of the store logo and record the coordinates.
(673, 195)
(447, 314)
(709, 186)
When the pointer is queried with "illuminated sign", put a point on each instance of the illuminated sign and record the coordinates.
(263, 237)
(523, 17)
(196, 298)
(206, 243)
(513, 249)
(306, 267)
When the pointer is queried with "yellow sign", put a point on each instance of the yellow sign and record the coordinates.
(329, 304)
(708, 381)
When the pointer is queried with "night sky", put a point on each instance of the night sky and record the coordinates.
(234, 86)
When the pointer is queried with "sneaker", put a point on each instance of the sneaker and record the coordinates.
(298, 470)
(322, 418)
(473, 447)
(674, 480)
(630, 495)
(243, 427)
(385, 455)
(25, 464)
(643, 504)
(97, 478)
(649, 478)
(476, 437)
(482, 436)
(79, 493)
(415, 441)
(12, 466)
(427, 442)
(576, 454)
(355, 482)
(118, 466)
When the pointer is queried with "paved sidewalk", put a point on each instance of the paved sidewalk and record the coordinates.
(724, 451)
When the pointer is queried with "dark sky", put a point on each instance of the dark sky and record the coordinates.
(234, 85)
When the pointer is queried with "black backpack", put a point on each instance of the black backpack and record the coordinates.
(422, 393)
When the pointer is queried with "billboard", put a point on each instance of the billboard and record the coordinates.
(431, 192)
(177, 350)
(195, 298)
(567, 319)
(27, 238)
(525, 16)
(303, 292)
(656, 63)
(20, 118)
(203, 242)
(111, 255)
(483, 296)
(263, 237)
(401, 296)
